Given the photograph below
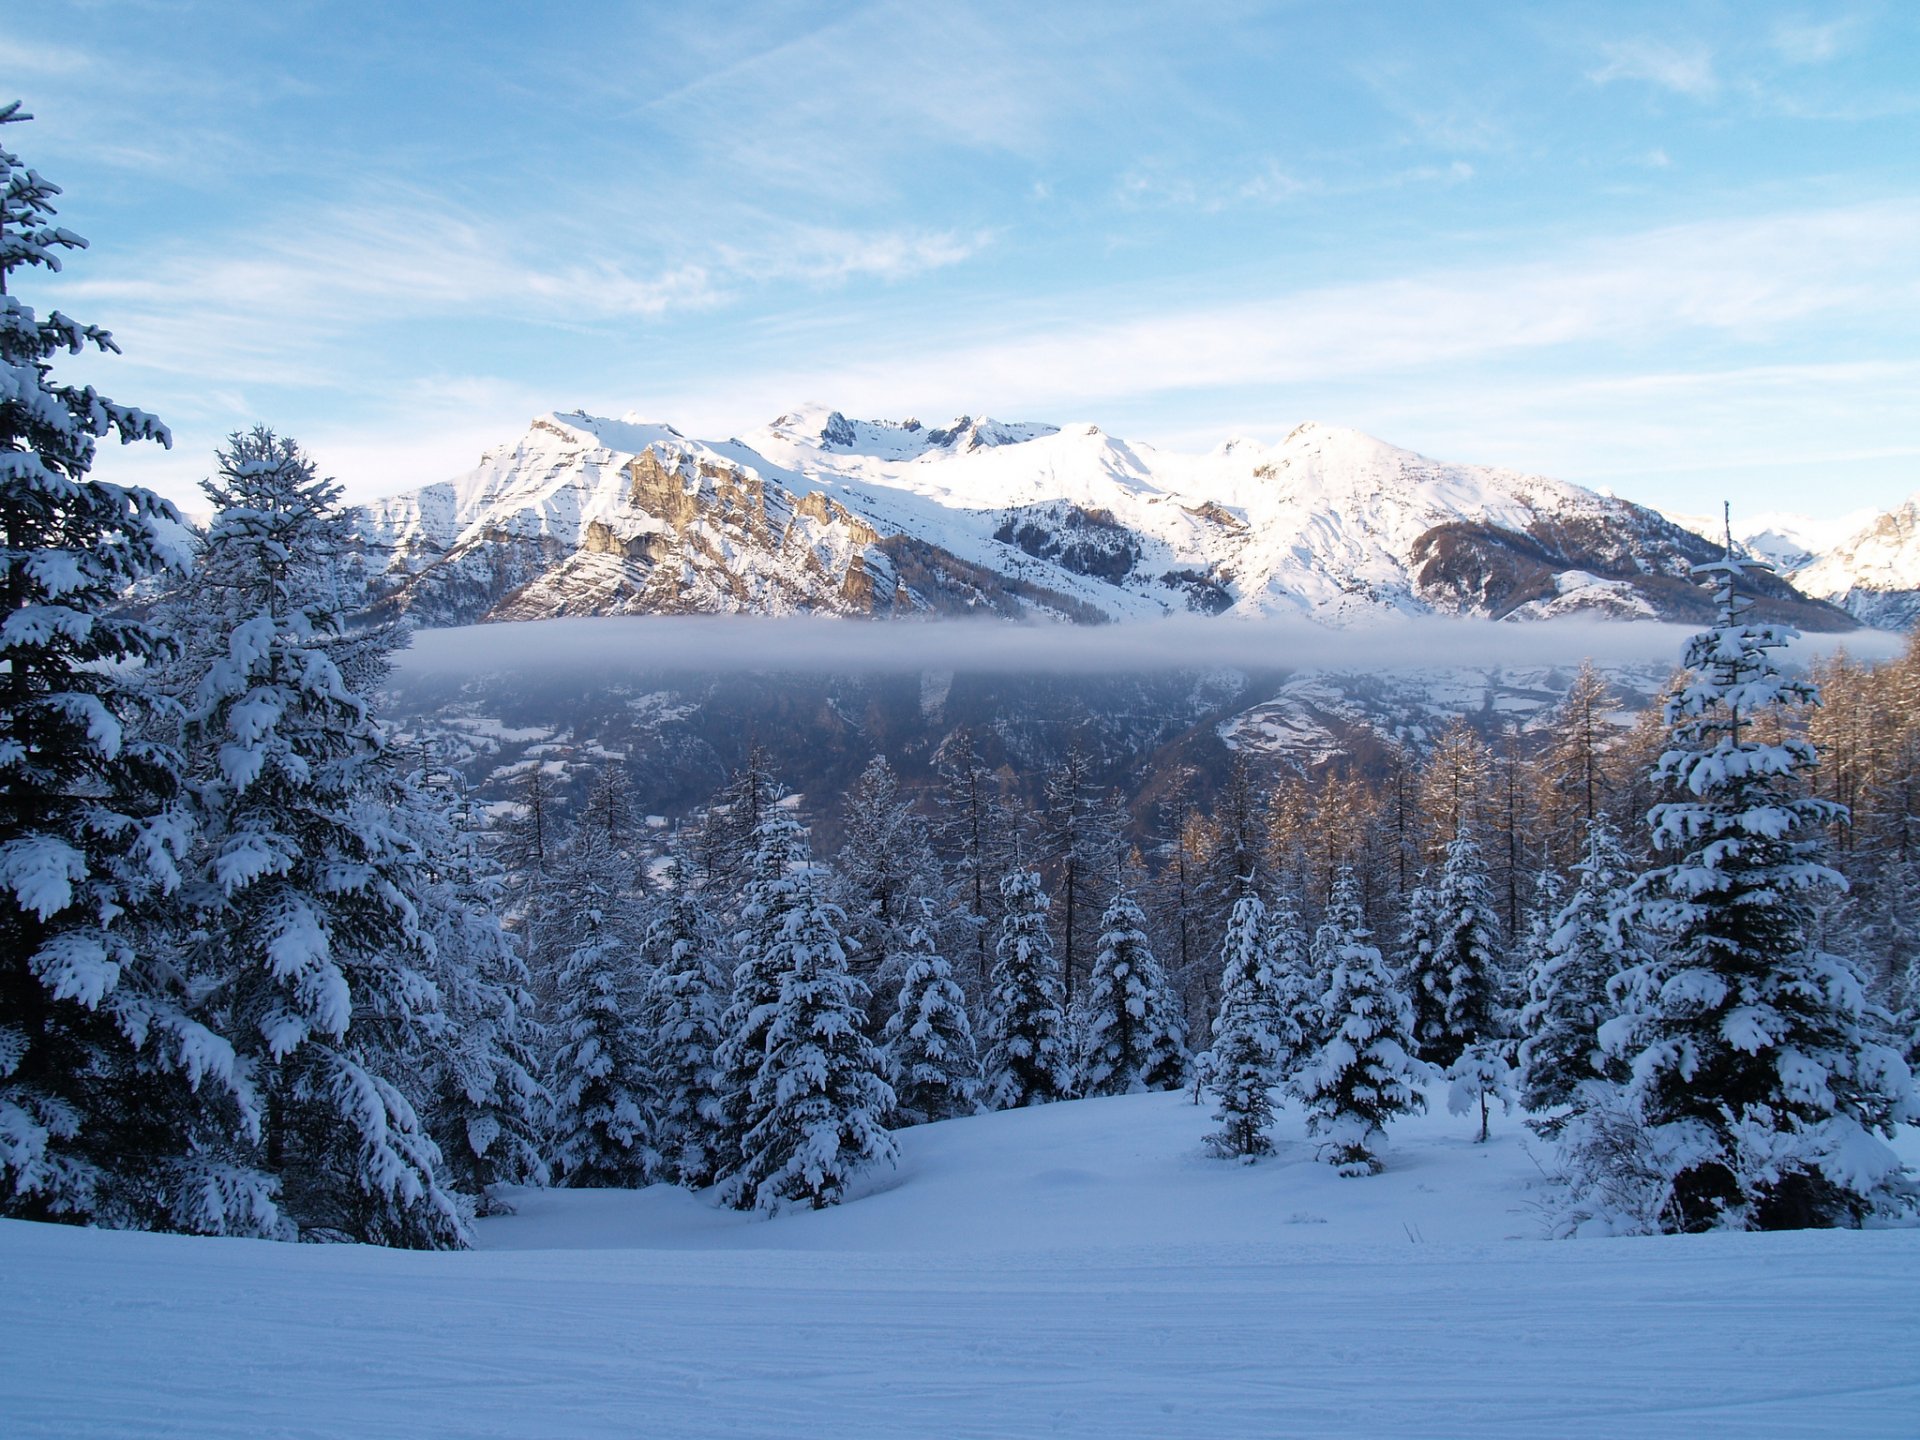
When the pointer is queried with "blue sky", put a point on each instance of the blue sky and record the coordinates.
(1673, 249)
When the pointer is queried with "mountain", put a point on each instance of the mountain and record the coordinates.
(1874, 573)
(1865, 562)
(815, 512)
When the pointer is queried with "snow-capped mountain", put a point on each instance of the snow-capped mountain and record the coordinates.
(1874, 573)
(1866, 562)
(816, 512)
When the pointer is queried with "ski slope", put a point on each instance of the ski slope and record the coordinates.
(1079, 1270)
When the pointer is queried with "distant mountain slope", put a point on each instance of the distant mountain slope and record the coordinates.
(1874, 574)
(816, 512)
(1866, 563)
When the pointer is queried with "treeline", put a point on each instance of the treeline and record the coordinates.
(263, 972)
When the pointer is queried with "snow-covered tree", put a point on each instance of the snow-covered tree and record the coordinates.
(887, 872)
(681, 1018)
(930, 1057)
(1755, 1065)
(1027, 1060)
(116, 1102)
(817, 1106)
(1365, 1073)
(726, 839)
(599, 1073)
(313, 952)
(1587, 944)
(1297, 994)
(489, 1109)
(1242, 1066)
(1134, 1038)
(780, 854)
(1453, 974)
(1343, 918)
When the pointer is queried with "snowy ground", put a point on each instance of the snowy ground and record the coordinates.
(1077, 1270)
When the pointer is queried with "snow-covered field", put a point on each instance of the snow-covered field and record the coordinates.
(1081, 1269)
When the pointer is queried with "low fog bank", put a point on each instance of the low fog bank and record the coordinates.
(618, 647)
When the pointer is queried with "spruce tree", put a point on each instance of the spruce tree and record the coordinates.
(1755, 1067)
(1343, 918)
(602, 1127)
(490, 1108)
(929, 1051)
(1297, 996)
(1567, 1000)
(817, 1106)
(1027, 1061)
(1365, 1074)
(887, 874)
(1242, 1066)
(1453, 974)
(313, 952)
(780, 854)
(1134, 1038)
(117, 1104)
(681, 1018)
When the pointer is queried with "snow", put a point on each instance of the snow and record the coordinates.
(1325, 523)
(1080, 1269)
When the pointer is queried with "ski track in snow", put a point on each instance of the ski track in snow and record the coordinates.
(1076, 1270)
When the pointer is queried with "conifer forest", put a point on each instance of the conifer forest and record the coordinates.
(971, 1077)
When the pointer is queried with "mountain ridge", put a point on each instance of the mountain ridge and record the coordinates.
(815, 512)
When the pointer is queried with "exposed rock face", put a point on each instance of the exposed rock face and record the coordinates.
(1874, 574)
(872, 518)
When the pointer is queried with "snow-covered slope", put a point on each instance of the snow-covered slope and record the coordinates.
(1874, 573)
(815, 512)
(1080, 1269)
(1865, 562)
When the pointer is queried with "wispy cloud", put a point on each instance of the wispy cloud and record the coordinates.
(273, 305)
(1747, 278)
(1266, 183)
(1809, 42)
(1684, 69)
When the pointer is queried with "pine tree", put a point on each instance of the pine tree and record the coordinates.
(117, 1104)
(1134, 1038)
(1236, 860)
(1069, 850)
(817, 1104)
(602, 1129)
(314, 955)
(1365, 1074)
(1243, 1065)
(681, 1017)
(930, 1058)
(1754, 1063)
(970, 821)
(1567, 1000)
(1027, 1061)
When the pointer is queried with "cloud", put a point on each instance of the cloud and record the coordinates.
(632, 647)
(275, 305)
(1746, 279)
(1810, 43)
(25, 57)
(1683, 69)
